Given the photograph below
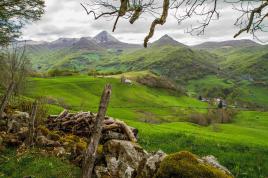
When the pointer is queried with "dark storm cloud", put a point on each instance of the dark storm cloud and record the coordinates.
(68, 19)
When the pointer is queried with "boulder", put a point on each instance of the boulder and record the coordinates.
(211, 160)
(23, 133)
(11, 139)
(59, 151)
(4, 115)
(17, 120)
(149, 167)
(109, 135)
(123, 158)
(101, 172)
(186, 164)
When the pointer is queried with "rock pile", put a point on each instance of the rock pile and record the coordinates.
(82, 124)
(118, 155)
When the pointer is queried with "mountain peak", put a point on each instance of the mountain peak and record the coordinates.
(104, 37)
(166, 37)
(166, 40)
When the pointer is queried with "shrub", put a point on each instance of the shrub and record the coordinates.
(200, 119)
(95, 73)
(212, 116)
(58, 72)
(186, 165)
(159, 82)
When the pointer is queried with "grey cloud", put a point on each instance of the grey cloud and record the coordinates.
(68, 19)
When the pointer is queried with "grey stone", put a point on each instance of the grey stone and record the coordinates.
(149, 167)
(123, 158)
(211, 160)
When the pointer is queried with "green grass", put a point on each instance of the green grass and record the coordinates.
(254, 94)
(83, 92)
(35, 165)
(171, 61)
(242, 146)
(244, 62)
(242, 91)
(208, 85)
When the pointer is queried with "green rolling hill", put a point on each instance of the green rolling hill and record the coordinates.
(178, 63)
(233, 70)
(240, 145)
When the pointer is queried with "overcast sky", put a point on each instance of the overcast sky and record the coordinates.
(67, 18)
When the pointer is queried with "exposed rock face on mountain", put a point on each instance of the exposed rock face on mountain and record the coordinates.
(226, 44)
(166, 40)
(116, 157)
(62, 43)
(101, 41)
(106, 40)
(87, 44)
(104, 37)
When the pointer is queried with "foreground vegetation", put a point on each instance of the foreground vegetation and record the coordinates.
(36, 165)
(241, 145)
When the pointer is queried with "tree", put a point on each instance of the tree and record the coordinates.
(13, 16)
(253, 13)
(14, 67)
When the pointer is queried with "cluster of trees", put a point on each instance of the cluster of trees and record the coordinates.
(14, 65)
(220, 115)
(13, 16)
(94, 73)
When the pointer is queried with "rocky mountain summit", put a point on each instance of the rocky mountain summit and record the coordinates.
(118, 155)
(167, 40)
(100, 42)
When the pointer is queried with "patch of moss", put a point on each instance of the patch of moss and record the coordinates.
(81, 145)
(43, 130)
(73, 142)
(51, 134)
(100, 149)
(186, 165)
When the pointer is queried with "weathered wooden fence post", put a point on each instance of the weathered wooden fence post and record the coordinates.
(91, 151)
(32, 123)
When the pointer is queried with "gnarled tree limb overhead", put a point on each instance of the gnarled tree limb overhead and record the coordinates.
(252, 18)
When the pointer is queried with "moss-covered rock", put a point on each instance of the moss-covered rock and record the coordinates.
(186, 165)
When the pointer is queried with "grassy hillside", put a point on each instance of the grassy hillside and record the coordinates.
(44, 59)
(82, 92)
(176, 62)
(242, 92)
(247, 63)
(179, 63)
(241, 145)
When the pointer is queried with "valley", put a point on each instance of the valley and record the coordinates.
(161, 126)
(162, 98)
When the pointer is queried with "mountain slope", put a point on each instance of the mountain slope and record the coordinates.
(166, 40)
(106, 40)
(175, 62)
(87, 44)
(226, 44)
(248, 63)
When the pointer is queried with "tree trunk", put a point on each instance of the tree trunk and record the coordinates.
(6, 98)
(91, 151)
